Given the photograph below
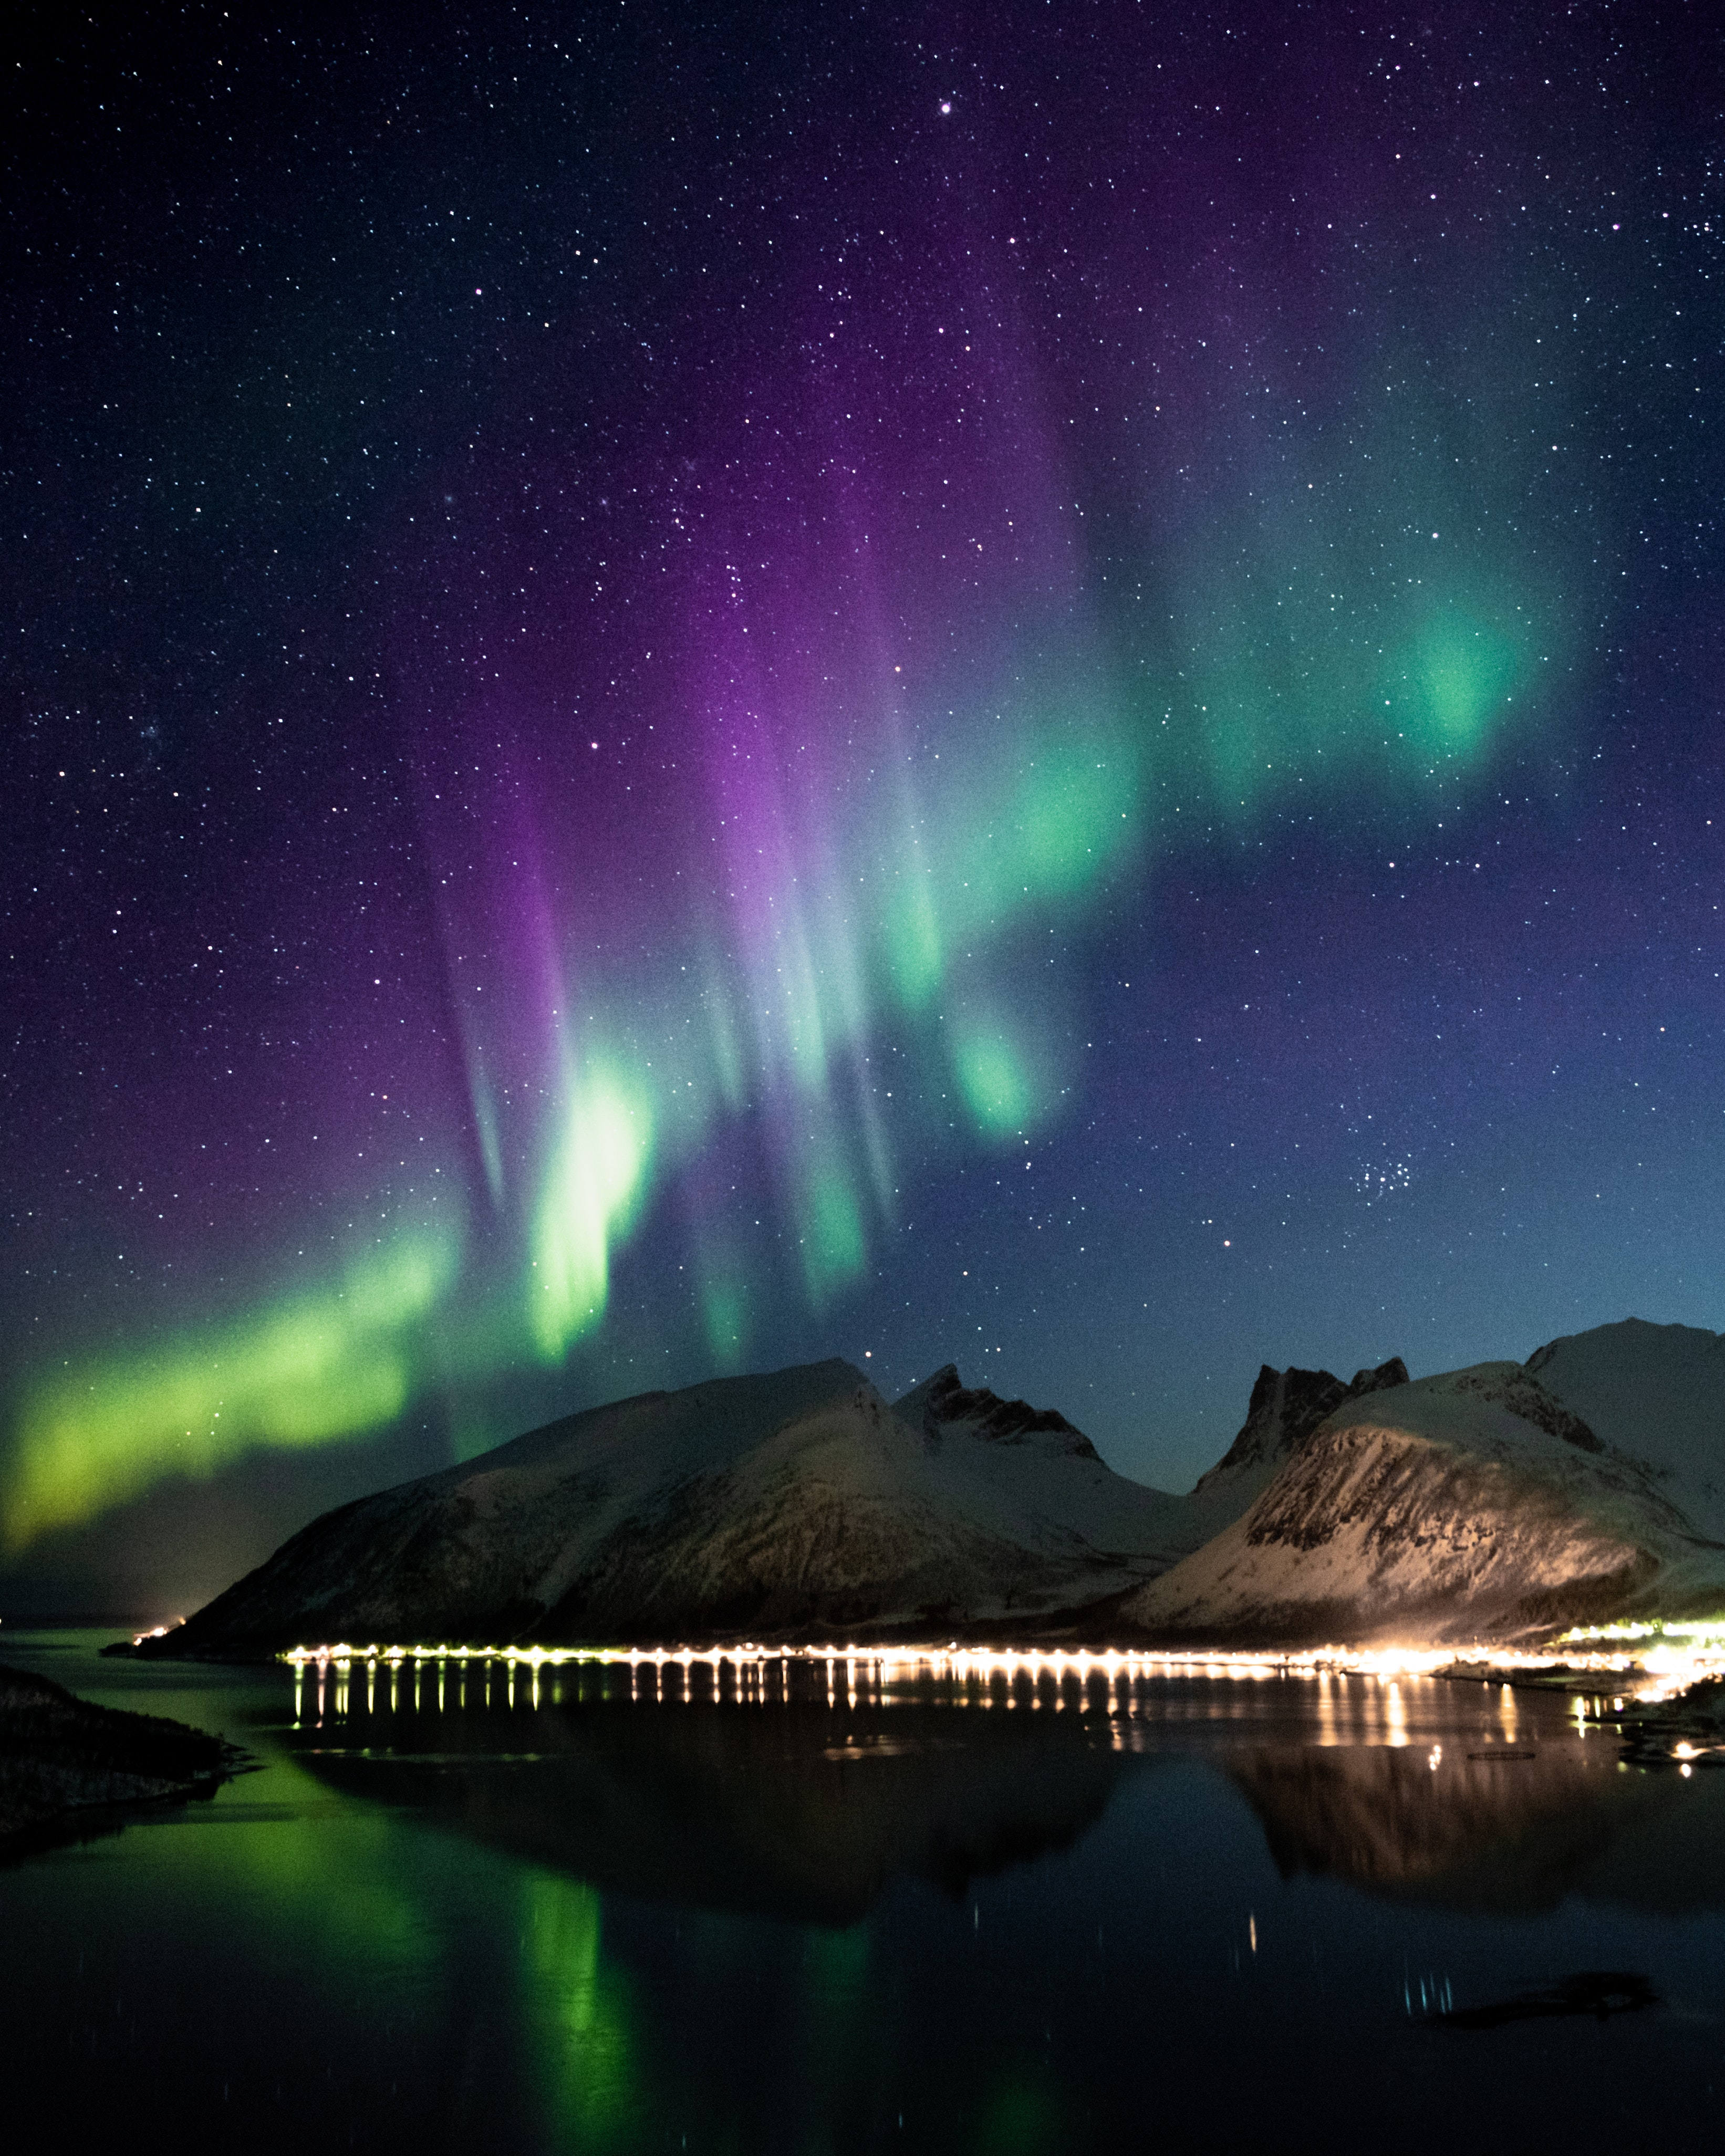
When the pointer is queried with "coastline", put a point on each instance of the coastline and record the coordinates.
(60, 1757)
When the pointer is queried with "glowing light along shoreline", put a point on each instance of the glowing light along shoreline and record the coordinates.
(1664, 1669)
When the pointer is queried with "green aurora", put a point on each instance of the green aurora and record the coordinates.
(1344, 637)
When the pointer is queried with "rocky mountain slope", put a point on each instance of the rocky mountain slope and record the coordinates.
(796, 1504)
(1478, 1504)
(1286, 1407)
(1486, 1503)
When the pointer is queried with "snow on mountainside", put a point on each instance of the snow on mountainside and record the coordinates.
(1492, 1502)
(1286, 1407)
(795, 1503)
(1654, 1392)
(1035, 1460)
(1478, 1503)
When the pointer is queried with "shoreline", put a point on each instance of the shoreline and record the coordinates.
(64, 1762)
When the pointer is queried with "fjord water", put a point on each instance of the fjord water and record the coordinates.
(612, 1911)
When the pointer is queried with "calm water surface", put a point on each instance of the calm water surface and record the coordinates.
(604, 1914)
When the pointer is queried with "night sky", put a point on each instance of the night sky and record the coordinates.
(1034, 684)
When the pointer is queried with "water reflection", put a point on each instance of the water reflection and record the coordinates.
(1206, 1911)
(802, 1788)
(802, 1812)
(1501, 1826)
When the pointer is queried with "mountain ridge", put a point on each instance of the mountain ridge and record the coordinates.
(1475, 1503)
(800, 1504)
(796, 1503)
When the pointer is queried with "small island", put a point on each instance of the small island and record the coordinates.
(60, 1754)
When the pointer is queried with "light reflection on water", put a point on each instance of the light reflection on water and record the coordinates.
(781, 1904)
(1129, 1705)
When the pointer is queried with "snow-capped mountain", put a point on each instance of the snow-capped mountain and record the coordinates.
(1479, 1504)
(1654, 1392)
(797, 1503)
(1503, 1499)
(1286, 1407)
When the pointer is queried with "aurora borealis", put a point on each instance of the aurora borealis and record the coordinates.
(1039, 688)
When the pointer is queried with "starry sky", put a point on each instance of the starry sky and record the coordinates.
(1035, 686)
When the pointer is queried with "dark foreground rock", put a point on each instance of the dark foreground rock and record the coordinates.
(58, 1753)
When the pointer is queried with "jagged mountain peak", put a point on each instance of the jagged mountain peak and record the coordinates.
(1512, 1385)
(944, 1399)
(1479, 1502)
(1379, 1380)
(1286, 1407)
